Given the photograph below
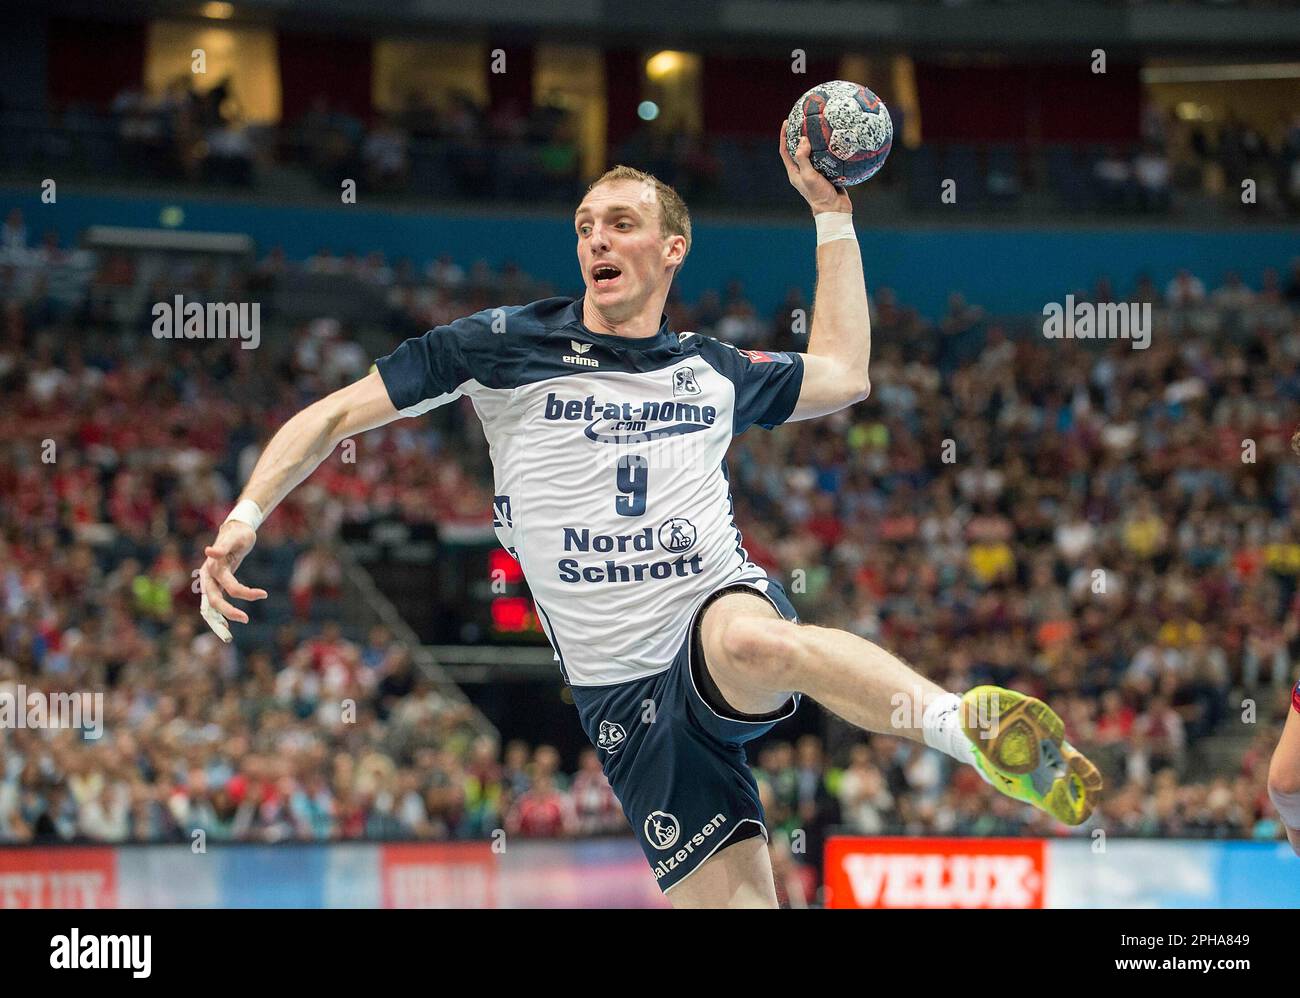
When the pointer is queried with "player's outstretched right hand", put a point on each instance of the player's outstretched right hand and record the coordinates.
(217, 577)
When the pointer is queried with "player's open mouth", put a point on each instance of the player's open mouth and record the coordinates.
(605, 274)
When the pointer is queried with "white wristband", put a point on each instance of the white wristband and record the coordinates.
(246, 511)
(832, 225)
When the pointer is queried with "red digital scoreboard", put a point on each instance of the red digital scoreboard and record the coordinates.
(512, 609)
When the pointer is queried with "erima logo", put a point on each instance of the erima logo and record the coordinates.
(92, 952)
(578, 356)
(611, 736)
(669, 828)
(501, 512)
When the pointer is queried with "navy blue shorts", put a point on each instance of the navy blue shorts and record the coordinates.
(676, 764)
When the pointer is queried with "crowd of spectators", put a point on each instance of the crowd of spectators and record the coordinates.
(1112, 529)
(1141, 182)
(183, 133)
(455, 147)
(460, 148)
(119, 456)
(1172, 158)
(342, 741)
(1235, 152)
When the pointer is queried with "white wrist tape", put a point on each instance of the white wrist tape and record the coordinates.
(214, 620)
(246, 511)
(1288, 807)
(832, 225)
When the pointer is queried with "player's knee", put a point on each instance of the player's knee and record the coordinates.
(762, 649)
(1284, 791)
(1284, 780)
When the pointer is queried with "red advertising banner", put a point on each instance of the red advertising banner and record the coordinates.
(935, 873)
(447, 875)
(58, 878)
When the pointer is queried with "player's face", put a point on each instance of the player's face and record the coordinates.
(623, 256)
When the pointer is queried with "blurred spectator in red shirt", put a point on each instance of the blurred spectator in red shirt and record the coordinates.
(597, 808)
(542, 812)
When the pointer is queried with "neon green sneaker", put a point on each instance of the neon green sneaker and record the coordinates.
(1020, 747)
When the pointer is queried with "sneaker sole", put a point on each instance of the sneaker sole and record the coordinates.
(1022, 725)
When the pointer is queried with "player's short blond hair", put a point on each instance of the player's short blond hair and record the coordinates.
(674, 219)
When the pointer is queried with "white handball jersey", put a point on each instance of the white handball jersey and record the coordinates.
(609, 460)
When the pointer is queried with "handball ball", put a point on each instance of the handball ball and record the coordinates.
(848, 127)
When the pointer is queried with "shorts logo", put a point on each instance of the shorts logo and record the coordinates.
(662, 830)
(684, 382)
(700, 840)
(677, 534)
(611, 736)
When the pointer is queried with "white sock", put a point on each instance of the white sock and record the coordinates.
(941, 729)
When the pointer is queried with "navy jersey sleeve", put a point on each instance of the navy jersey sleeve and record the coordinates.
(428, 371)
(767, 383)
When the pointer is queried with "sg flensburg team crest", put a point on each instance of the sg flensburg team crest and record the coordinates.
(611, 736)
(684, 382)
(662, 829)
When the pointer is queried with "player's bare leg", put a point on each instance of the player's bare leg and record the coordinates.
(756, 659)
(738, 876)
(1284, 777)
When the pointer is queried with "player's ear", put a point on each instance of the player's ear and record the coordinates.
(675, 251)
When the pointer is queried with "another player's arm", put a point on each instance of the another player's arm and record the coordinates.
(1284, 774)
(835, 367)
(296, 450)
